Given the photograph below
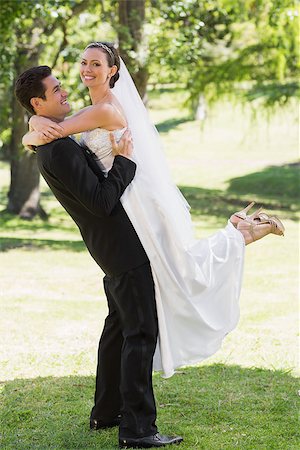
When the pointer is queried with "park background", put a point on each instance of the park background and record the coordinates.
(219, 78)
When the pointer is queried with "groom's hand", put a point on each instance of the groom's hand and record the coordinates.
(124, 147)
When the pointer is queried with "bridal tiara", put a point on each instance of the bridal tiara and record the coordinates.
(100, 45)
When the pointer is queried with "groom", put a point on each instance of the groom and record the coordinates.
(124, 394)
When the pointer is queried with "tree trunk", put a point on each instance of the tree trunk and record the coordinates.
(201, 108)
(130, 36)
(24, 194)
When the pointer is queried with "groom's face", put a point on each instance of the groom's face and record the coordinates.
(55, 106)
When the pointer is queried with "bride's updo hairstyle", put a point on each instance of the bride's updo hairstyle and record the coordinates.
(112, 57)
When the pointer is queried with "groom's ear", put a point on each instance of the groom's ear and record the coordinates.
(35, 102)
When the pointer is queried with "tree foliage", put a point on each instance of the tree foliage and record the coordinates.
(28, 27)
(247, 48)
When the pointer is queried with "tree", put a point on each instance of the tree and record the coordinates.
(38, 32)
(132, 43)
(25, 28)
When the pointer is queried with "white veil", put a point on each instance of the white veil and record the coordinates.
(152, 169)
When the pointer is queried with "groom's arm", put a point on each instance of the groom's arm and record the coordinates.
(68, 165)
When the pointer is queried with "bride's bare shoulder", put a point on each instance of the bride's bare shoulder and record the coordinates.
(110, 114)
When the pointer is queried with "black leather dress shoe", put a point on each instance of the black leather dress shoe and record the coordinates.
(100, 425)
(156, 440)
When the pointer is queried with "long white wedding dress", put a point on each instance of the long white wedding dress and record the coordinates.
(197, 282)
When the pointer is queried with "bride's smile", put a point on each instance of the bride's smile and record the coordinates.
(94, 69)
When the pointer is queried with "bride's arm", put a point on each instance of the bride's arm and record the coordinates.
(34, 138)
(89, 118)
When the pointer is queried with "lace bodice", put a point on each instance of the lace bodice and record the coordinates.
(98, 142)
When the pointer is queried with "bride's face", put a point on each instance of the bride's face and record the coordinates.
(94, 68)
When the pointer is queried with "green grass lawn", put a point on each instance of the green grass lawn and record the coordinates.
(53, 305)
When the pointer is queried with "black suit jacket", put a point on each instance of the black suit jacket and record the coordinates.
(93, 202)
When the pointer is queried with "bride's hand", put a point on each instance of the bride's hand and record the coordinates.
(124, 147)
(50, 129)
(36, 138)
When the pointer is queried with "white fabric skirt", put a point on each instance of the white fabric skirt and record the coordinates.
(197, 282)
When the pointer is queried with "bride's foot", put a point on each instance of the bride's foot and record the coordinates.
(253, 231)
(242, 215)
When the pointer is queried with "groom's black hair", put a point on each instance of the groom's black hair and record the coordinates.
(30, 84)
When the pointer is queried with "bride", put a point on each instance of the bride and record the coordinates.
(197, 282)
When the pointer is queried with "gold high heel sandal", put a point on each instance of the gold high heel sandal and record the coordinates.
(253, 231)
(265, 218)
(242, 215)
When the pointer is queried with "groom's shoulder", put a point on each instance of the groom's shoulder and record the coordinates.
(66, 142)
(58, 147)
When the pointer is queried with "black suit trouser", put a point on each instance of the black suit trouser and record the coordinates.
(125, 355)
